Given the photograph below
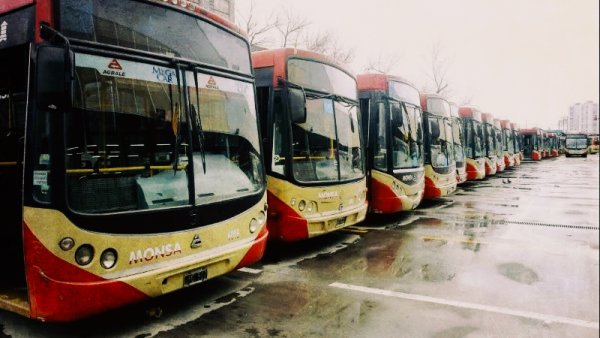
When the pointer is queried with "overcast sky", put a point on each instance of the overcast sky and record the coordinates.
(524, 60)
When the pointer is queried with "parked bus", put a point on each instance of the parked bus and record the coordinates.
(593, 141)
(532, 143)
(393, 132)
(489, 144)
(313, 147)
(576, 145)
(458, 137)
(499, 141)
(131, 160)
(518, 143)
(440, 166)
(508, 144)
(551, 141)
(472, 126)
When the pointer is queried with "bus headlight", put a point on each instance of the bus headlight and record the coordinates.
(309, 207)
(301, 205)
(67, 243)
(293, 202)
(108, 259)
(253, 226)
(84, 254)
(262, 216)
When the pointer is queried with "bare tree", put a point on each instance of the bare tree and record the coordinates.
(290, 28)
(384, 63)
(258, 30)
(439, 70)
(327, 43)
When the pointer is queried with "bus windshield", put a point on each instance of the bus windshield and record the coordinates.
(154, 29)
(441, 147)
(326, 147)
(473, 136)
(129, 135)
(576, 143)
(509, 138)
(406, 135)
(489, 142)
(499, 147)
(457, 138)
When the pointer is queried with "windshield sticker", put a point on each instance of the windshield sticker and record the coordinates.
(40, 178)
(212, 84)
(126, 69)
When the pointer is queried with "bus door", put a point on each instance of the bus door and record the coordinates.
(13, 89)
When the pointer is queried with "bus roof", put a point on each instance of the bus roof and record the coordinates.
(530, 131)
(197, 9)
(277, 58)
(488, 118)
(469, 111)
(7, 6)
(367, 82)
(505, 124)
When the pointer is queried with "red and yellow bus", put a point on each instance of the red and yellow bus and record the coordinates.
(508, 144)
(518, 143)
(131, 156)
(440, 166)
(393, 132)
(594, 142)
(551, 144)
(499, 141)
(316, 179)
(489, 144)
(471, 119)
(458, 138)
(533, 143)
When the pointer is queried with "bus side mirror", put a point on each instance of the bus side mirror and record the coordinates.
(297, 105)
(54, 74)
(435, 129)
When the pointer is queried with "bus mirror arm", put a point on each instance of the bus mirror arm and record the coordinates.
(55, 71)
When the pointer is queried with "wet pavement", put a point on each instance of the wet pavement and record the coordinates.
(515, 255)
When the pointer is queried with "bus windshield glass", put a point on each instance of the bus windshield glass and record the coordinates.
(327, 147)
(406, 135)
(489, 142)
(509, 141)
(128, 138)
(576, 143)
(322, 77)
(474, 148)
(457, 138)
(441, 147)
(404, 92)
(154, 29)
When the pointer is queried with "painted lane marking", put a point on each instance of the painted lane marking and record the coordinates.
(474, 306)
(250, 270)
(449, 239)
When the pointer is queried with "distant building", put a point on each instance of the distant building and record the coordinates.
(224, 8)
(582, 118)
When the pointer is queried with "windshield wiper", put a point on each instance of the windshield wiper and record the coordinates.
(198, 124)
(334, 97)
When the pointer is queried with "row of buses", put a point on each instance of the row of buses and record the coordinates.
(140, 157)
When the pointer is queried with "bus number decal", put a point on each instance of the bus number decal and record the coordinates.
(152, 253)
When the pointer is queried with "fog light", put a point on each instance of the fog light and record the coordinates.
(301, 205)
(108, 259)
(84, 254)
(67, 243)
(253, 225)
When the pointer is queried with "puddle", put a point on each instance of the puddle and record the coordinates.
(518, 272)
